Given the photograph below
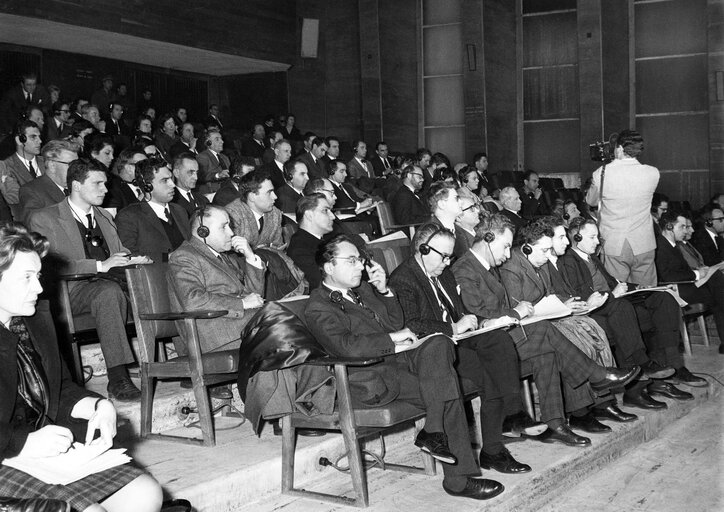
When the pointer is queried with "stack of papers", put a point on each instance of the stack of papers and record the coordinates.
(77, 463)
(457, 337)
(547, 308)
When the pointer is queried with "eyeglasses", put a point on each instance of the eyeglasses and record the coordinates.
(446, 258)
(352, 260)
(416, 174)
(474, 206)
(717, 218)
(60, 161)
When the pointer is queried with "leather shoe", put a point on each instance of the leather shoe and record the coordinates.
(521, 423)
(654, 370)
(684, 376)
(221, 393)
(564, 435)
(477, 489)
(642, 400)
(668, 390)
(615, 377)
(502, 462)
(588, 423)
(612, 412)
(123, 390)
(435, 443)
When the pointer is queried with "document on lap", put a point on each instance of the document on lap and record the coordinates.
(548, 308)
(666, 289)
(457, 337)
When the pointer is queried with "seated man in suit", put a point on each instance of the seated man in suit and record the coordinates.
(671, 267)
(707, 237)
(272, 137)
(203, 275)
(465, 223)
(254, 147)
(407, 207)
(253, 215)
(296, 178)
(554, 359)
(446, 208)
(315, 219)
(531, 196)
(430, 300)
(313, 158)
(155, 226)
(381, 164)
(353, 230)
(122, 189)
(510, 199)
(185, 143)
(359, 169)
(347, 197)
(23, 166)
(229, 190)
(186, 174)
(50, 188)
(58, 126)
(83, 240)
(18, 98)
(275, 168)
(351, 318)
(690, 253)
(213, 164)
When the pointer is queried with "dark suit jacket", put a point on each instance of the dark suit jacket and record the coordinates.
(179, 147)
(209, 166)
(212, 121)
(408, 208)
(63, 393)
(463, 241)
(287, 199)
(53, 133)
(579, 276)
(119, 194)
(38, 194)
(274, 173)
(142, 232)
(559, 280)
(517, 220)
(670, 263)
(423, 314)
(250, 147)
(481, 291)
(316, 169)
(348, 200)
(520, 279)
(302, 248)
(378, 166)
(531, 207)
(180, 200)
(705, 245)
(197, 279)
(14, 175)
(13, 104)
(226, 194)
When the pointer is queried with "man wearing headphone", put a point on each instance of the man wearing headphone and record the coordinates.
(59, 126)
(707, 237)
(296, 178)
(24, 165)
(213, 164)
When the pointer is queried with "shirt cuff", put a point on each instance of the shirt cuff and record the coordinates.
(696, 275)
(99, 266)
(256, 262)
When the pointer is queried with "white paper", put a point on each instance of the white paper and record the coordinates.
(548, 308)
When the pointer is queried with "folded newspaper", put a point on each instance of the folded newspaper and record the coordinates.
(75, 464)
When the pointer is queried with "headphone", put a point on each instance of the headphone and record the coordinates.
(526, 249)
(20, 132)
(208, 143)
(566, 216)
(577, 237)
(336, 297)
(425, 248)
(202, 231)
(23, 138)
(286, 172)
(138, 180)
(709, 223)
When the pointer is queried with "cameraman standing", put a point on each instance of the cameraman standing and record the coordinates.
(624, 211)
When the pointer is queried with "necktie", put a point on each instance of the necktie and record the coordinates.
(29, 99)
(32, 382)
(89, 218)
(224, 259)
(358, 300)
(167, 213)
(31, 169)
(66, 192)
(693, 253)
(387, 164)
(447, 306)
(261, 224)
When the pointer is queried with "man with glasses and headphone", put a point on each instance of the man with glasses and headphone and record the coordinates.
(83, 239)
(407, 207)
(707, 237)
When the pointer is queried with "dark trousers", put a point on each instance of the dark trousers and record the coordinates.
(712, 295)
(553, 358)
(108, 305)
(618, 319)
(428, 379)
(658, 317)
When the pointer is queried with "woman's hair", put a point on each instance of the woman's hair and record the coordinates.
(15, 238)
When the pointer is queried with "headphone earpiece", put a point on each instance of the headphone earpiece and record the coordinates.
(208, 143)
(577, 238)
(424, 249)
(709, 223)
(488, 237)
(202, 231)
(145, 186)
(23, 138)
(526, 249)
(566, 216)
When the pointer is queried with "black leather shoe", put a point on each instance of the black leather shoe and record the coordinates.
(564, 435)
(123, 390)
(176, 505)
(654, 370)
(521, 423)
(588, 423)
(642, 400)
(668, 390)
(435, 443)
(502, 462)
(477, 489)
(615, 377)
(612, 412)
(684, 376)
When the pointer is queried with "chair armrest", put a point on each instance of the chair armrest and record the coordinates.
(202, 314)
(414, 225)
(345, 361)
(76, 277)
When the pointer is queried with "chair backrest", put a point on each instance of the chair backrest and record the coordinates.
(149, 294)
(391, 253)
(384, 215)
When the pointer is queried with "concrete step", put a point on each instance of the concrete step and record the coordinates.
(242, 473)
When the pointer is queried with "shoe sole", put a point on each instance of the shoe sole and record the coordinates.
(446, 460)
(661, 374)
(491, 468)
(673, 397)
(553, 441)
(618, 420)
(696, 384)
(657, 408)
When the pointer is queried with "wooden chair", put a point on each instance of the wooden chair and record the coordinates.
(79, 329)
(387, 220)
(390, 253)
(696, 311)
(156, 320)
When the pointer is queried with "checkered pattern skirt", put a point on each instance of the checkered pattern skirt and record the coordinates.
(80, 494)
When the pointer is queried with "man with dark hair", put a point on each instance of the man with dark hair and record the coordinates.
(407, 207)
(275, 169)
(23, 166)
(104, 96)
(253, 147)
(18, 98)
(347, 197)
(465, 222)
(271, 139)
(58, 126)
(531, 196)
(84, 240)
(296, 178)
(185, 143)
(229, 190)
(155, 226)
(380, 163)
(122, 187)
(359, 168)
(324, 186)
(659, 206)
(332, 153)
(480, 161)
(307, 142)
(51, 187)
(213, 164)
(622, 190)
(253, 214)
(213, 121)
(312, 158)
(35, 114)
(707, 237)
(316, 220)
(186, 173)
(672, 267)
(351, 318)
